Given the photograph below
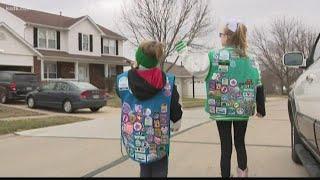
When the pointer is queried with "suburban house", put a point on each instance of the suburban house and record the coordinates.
(59, 47)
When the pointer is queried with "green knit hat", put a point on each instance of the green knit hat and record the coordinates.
(145, 60)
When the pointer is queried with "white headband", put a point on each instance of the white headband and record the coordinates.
(232, 24)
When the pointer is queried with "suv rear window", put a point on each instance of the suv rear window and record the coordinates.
(25, 78)
(5, 77)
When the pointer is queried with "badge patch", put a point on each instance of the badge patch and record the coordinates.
(150, 131)
(157, 140)
(224, 55)
(157, 123)
(212, 102)
(164, 130)
(128, 128)
(212, 109)
(221, 110)
(137, 126)
(147, 112)
(157, 132)
(126, 108)
(231, 111)
(148, 121)
(224, 89)
(225, 81)
(223, 68)
(140, 157)
(138, 108)
(125, 118)
(240, 111)
(123, 84)
(212, 85)
(233, 82)
(164, 108)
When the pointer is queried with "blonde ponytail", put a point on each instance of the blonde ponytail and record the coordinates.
(238, 39)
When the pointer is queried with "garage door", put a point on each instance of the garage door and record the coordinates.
(15, 68)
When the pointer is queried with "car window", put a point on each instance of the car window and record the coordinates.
(48, 86)
(62, 87)
(316, 56)
(25, 78)
(84, 85)
(5, 77)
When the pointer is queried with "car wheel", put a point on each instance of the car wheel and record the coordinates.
(3, 98)
(67, 106)
(94, 109)
(31, 103)
(295, 139)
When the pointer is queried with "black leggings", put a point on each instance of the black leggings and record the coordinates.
(224, 128)
(155, 169)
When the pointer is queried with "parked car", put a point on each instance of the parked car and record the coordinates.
(15, 85)
(304, 109)
(68, 96)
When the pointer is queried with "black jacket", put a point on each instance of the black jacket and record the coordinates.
(260, 99)
(142, 90)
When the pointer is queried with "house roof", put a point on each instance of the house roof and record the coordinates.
(178, 71)
(21, 39)
(105, 59)
(49, 19)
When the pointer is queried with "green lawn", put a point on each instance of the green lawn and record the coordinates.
(7, 127)
(187, 102)
(6, 112)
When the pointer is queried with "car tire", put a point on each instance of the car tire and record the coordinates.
(295, 139)
(31, 103)
(3, 98)
(94, 109)
(67, 106)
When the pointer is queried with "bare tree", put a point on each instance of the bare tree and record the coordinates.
(283, 35)
(166, 21)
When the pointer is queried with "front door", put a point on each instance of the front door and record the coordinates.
(84, 73)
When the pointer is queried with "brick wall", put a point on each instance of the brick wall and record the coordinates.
(37, 67)
(97, 78)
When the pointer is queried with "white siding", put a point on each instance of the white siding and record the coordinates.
(12, 45)
(85, 27)
(12, 21)
(120, 48)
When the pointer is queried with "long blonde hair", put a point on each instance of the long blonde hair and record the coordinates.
(238, 39)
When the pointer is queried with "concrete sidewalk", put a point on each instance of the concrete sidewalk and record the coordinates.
(93, 148)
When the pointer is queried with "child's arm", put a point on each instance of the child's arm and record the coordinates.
(175, 110)
(197, 64)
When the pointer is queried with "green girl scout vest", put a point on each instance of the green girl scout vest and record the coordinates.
(231, 86)
(145, 125)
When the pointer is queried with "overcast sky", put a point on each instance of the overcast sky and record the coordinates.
(252, 12)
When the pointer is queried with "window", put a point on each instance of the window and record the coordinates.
(48, 86)
(85, 42)
(50, 70)
(109, 47)
(47, 39)
(316, 56)
(5, 77)
(112, 45)
(42, 38)
(62, 87)
(52, 40)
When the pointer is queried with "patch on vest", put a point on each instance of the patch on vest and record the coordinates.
(226, 94)
(123, 84)
(145, 133)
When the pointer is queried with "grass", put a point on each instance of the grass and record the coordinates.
(8, 127)
(6, 112)
(187, 102)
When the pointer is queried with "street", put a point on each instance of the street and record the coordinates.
(92, 148)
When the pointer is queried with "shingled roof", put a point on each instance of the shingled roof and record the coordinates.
(49, 19)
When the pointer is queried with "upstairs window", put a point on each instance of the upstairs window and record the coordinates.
(47, 39)
(109, 47)
(85, 42)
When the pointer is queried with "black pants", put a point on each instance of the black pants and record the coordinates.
(155, 169)
(239, 128)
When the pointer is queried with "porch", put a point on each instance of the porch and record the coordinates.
(99, 71)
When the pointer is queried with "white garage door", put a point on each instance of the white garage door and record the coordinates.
(15, 60)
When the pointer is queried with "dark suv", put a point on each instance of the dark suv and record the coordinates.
(14, 85)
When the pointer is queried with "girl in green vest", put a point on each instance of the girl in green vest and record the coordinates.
(232, 78)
